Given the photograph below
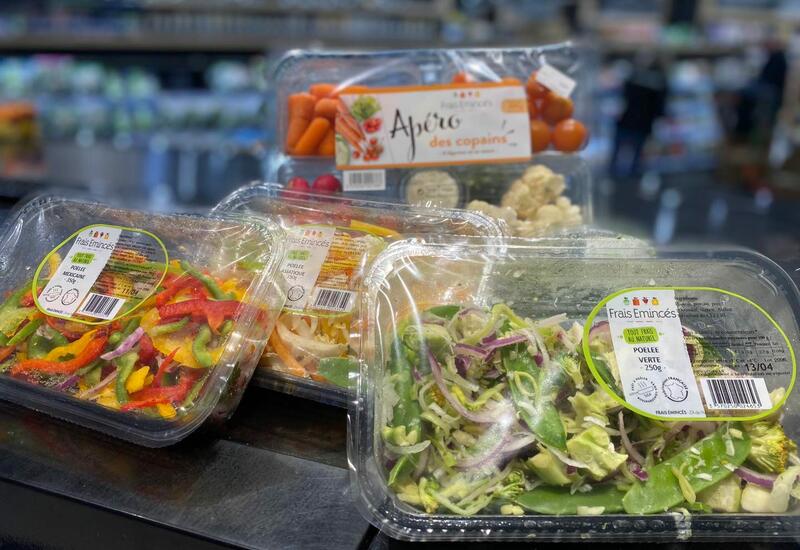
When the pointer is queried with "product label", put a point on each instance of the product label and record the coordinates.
(437, 125)
(104, 272)
(689, 352)
(322, 267)
(555, 80)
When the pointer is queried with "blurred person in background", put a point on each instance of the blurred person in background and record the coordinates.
(761, 101)
(645, 94)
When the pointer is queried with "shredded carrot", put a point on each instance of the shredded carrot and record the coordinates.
(312, 137)
(295, 368)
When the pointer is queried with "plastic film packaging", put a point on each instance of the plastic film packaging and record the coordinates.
(551, 391)
(136, 324)
(331, 242)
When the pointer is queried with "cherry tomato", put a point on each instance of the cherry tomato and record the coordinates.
(556, 108)
(534, 110)
(540, 135)
(534, 88)
(569, 135)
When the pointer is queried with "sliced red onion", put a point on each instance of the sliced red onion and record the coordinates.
(507, 341)
(493, 374)
(636, 470)
(125, 346)
(490, 338)
(565, 459)
(570, 469)
(407, 449)
(490, 456)
(461, 365)
(757, 478)
(539, 358)
(94, 390)
(417, 375)
(635, 455)
(600, 331)
(520, 443)
(467, 310)
(486, 417)
(67, 383)
(471, 351)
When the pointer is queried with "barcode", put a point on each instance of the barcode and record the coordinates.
(332, 299)
(736, 393)
(100, 306)
(364, 180)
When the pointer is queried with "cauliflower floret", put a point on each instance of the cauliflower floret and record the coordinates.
(506, 214)
(537, 187)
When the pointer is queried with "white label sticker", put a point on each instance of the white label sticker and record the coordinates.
(307, 250)
(654, 365)
(556, 81)
(736, 393)
(78, 271)
(433, 126)
(364, 180)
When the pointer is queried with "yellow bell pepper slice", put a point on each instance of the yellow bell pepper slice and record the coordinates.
(73, 348)
(136, 381)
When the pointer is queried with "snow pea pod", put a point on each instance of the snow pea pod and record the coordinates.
(406, 425)
(708, 464)
(535, 404)
(558, 500)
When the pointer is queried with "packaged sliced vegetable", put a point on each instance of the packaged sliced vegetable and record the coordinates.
(139, 325)
(507, 390)
(331, 241)
(415, 123)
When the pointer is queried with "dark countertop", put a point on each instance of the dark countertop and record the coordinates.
(275, 476)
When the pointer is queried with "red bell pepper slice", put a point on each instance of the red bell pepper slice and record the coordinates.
(150, 397)
(215, 312)
(92, 351)
(5, 351)
(164, 367)
(146, 350)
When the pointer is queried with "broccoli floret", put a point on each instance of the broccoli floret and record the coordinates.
(770, 448)
(512, 486)
(427, 336)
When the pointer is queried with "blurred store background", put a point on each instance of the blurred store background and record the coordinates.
(695, 112)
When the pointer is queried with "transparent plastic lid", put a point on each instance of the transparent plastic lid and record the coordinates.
(331, 241)
(415, 125)
(538, 389)
(136, 324)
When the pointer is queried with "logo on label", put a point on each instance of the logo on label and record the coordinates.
(675, 389)
(643, 389)
(295, 293)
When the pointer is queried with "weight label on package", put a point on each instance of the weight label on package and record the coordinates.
(553, 79)
(654, 366)
(690, 352)
(436, 125)
(323, 266)
(100, 273)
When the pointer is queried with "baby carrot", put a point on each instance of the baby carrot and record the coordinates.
(328, 146)
(326, 108)
(301, 111)
(312, 137)
(321, 90)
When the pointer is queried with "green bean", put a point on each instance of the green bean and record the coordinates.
(710, 459)
(558, 500)
(125, 364)
(208, 282)
(168, 328)
(200, 347)
(25, 332)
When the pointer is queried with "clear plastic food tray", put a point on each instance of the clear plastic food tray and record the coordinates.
(303, 72)
(136, 324)
(538, 390)
(310, 353)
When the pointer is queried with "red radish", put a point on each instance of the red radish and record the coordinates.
(298, 184)
(327, 183)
